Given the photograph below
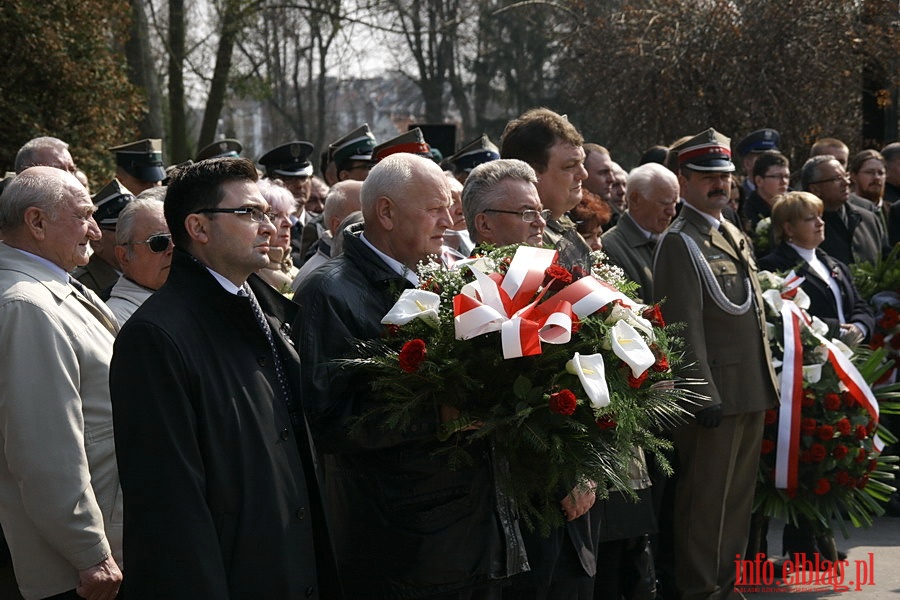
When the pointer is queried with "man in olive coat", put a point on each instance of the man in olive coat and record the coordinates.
(217, 468)
(705, 272)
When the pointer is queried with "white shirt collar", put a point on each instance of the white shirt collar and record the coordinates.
(226, 283)
(58, 270)
(395, 265)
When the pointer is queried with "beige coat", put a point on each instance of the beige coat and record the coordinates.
(60, 501)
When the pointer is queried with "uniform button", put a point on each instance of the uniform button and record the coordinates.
(310, 591)
(285, 434)
(261, 361)
(301, 513)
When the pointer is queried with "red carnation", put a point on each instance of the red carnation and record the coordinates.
(392, 330)
(861, 432)
(606, 422)
(877, 341)
(840, 451)
(768, 446)
(895, 341)
(873, 464)
(662, 364)
(556, 277)
(411, 355)
(849, 400)
(808, 399)
(826, 432)
(890, 319)
(563, 402)
(817, 452)
(843, 478)
(654, 315)
(862, 481)
(807, 426)
(844, 426)
(822, 486)
(861, 455)
(771, 417)
(832, 401)
(636, 382)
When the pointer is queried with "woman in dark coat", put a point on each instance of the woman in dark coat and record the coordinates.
(799, 229)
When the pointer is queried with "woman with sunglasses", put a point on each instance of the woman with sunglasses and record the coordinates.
(280, 271)
(144, 251)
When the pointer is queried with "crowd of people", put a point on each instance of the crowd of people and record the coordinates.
(175, 424)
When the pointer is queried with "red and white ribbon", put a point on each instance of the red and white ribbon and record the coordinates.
(789, 414)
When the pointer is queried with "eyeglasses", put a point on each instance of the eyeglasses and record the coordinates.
(157, 243)
(837, 178)
(256, 215)
(528, 215)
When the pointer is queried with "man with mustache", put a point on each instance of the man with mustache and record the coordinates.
(705, 271)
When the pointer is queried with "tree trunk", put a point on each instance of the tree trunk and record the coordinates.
(142, 71)
(230, 28)
(178, 151)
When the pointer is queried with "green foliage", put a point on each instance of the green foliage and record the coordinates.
(62, 77)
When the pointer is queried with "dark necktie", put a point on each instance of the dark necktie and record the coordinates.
(85, 298)
(280, 375)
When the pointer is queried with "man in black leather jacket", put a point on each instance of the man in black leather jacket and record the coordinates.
(404, 524)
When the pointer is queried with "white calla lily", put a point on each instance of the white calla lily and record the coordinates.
(812, 373)
(818, 326)
(631, 348)
(591, 372)
(414, 304)
(774, 300)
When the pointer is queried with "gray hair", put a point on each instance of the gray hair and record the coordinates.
(809, 172)
(154, 193)
(279, 197)
(480, 190)
(27, 156)
(642, 179)
(34, 190)
(125, 223)
(391, 175)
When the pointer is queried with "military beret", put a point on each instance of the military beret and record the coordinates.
(227, 147)
(110, 201)
(288, 160)
(412, 142)
(478, 151)
(709, 151)
(141, 159)
(759, 141)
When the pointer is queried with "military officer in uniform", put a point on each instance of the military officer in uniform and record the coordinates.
(290, 163)
(139, 165)
(705, 271)
(352, 154)
(103, 270)
(474, 153)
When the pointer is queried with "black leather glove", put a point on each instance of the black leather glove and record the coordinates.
(710, 416)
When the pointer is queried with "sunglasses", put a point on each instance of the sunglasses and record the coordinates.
(157, 243)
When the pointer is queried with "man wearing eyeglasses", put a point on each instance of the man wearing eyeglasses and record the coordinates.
(502, 206)
(771, 175)
(851, 234)
(218, 473)
(144, 250)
